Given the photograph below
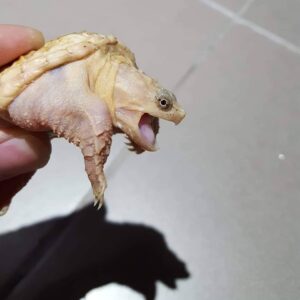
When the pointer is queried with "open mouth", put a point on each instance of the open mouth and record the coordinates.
(140, 128)
(148, 127)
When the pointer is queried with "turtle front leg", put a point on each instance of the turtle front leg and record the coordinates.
(60, 102)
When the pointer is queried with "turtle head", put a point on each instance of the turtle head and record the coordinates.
(139, 103)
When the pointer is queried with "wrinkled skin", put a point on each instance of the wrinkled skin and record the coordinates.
(86, 102)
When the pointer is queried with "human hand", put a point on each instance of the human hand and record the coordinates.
(21, 152)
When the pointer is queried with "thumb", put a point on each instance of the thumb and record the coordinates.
(17, 40)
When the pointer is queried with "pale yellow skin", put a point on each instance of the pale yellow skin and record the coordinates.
(85, 87)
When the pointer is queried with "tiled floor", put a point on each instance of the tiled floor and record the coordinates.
(281, 18)
(224, 187)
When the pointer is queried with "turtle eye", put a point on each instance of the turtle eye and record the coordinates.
(164, 103)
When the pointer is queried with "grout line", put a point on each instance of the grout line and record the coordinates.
(236, 18)
(203, 56)
(204, 53)
(245, 7)
(254, 27)
(185, 76)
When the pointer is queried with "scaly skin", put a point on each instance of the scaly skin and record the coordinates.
(86, 87)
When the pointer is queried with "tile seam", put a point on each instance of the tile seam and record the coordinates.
(238, 19)
(245, 7)
(204, 53)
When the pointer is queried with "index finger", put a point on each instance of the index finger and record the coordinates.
(16, 40)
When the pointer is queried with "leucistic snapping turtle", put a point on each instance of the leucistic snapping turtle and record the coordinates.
(85, 87)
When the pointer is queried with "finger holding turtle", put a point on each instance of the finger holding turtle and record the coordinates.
(21, 152)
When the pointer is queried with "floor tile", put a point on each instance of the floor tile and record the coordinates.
(280, 17)
(217, 188)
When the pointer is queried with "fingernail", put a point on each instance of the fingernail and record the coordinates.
(36, 38)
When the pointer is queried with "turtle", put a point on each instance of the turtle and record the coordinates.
(85, 87)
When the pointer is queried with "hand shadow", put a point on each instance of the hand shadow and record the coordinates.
(64, 258)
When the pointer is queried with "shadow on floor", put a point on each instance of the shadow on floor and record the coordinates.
(64, 258)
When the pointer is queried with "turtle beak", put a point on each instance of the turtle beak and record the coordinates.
(178, 116)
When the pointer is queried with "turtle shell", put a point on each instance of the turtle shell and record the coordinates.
(63, 50)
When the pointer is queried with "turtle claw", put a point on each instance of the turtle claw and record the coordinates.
(98, 203)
